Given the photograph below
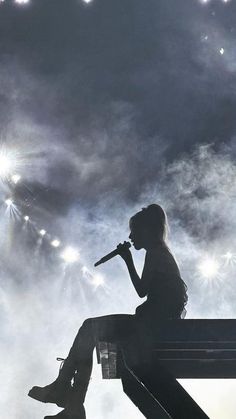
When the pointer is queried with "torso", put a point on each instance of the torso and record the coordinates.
(164, 284)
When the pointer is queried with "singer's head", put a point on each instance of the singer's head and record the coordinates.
(148, 228)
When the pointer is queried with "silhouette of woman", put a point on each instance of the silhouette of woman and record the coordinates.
(166, 296)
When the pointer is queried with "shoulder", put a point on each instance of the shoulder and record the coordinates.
(161, 259)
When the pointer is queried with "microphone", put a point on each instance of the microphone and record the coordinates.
(112, 254)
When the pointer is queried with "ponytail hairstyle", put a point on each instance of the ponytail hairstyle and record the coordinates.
(153, 220)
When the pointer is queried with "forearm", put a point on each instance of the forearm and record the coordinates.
(136, 281)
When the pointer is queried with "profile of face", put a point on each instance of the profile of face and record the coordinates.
(138, 237)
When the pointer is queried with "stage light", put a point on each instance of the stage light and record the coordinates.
(9, 202)
(22, 1)
(26, 218)
(221, 51)
(42, 232)
(209, 268)
(15, 178)
(70, 255)
(87, 1)
(55, 243)
(6, 164)
(98, 280)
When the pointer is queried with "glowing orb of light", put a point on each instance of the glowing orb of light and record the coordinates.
(55, 243)
(15, 178)
(42, 232)
(70, 255)
(221, 51)
(26, 218)
(9, 202)
(209, 268)
(98, 280)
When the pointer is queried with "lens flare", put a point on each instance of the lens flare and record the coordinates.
(209, 268)
(70, 255)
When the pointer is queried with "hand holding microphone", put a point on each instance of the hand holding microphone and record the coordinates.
(122, 250)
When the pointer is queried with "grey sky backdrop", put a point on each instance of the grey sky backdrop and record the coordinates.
(107, 107)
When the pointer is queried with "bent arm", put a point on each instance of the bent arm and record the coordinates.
(136, 280)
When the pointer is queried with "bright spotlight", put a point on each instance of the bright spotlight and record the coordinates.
(55, 243)
(70, 255)
(15, 178)
(221, 51)
(9, 202)
(22, 1)
(209, 268)
(42, 232)
(87, 1)
(26, 218)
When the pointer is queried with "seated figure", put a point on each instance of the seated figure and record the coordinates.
(166, 298)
